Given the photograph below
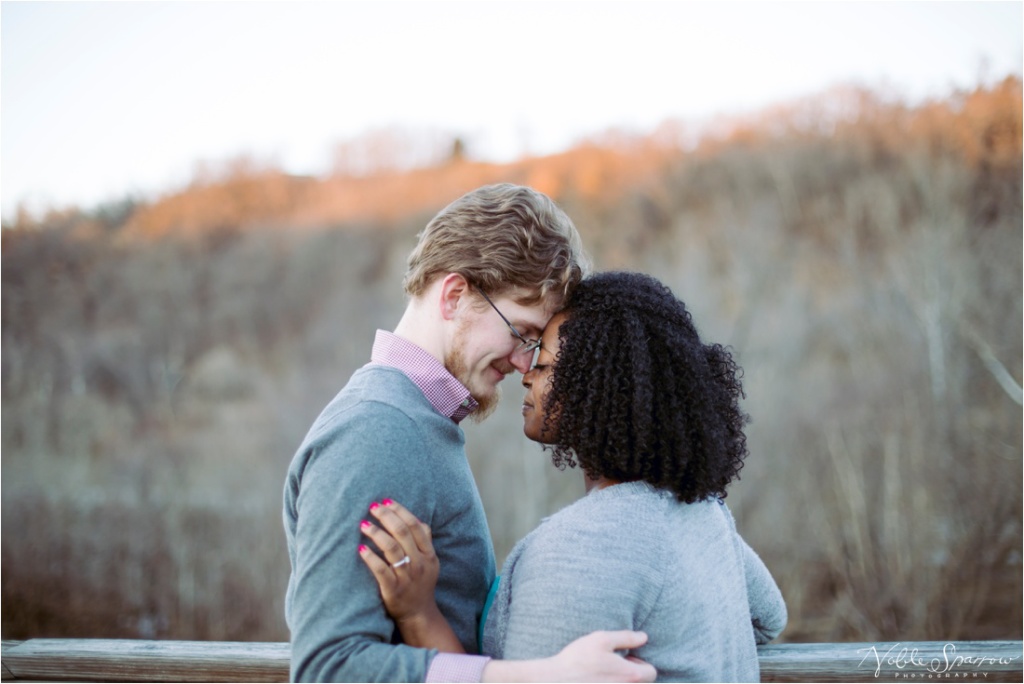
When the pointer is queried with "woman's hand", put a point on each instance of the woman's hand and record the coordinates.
(408, 572)
(407, 575)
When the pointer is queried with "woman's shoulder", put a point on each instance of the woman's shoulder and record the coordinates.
(633, 510)
(638, 510)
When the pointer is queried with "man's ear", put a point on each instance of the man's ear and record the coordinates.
(453, 288)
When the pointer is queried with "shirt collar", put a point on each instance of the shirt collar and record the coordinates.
(446, 394)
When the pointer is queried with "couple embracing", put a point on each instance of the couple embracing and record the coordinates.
(393, 570)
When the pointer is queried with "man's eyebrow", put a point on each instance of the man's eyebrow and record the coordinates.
(531, 330)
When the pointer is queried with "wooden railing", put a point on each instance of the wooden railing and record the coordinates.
(110, 660)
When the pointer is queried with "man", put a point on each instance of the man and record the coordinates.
(488, 272)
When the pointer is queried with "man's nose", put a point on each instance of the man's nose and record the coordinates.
(521, 360)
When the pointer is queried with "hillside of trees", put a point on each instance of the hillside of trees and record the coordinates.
(162, 359)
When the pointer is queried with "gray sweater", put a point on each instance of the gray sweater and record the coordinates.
(378, 438)
(632, 557)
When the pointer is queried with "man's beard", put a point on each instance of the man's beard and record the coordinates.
(455, 362)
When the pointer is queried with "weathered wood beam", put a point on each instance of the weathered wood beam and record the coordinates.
(209, 661)
(146, 661)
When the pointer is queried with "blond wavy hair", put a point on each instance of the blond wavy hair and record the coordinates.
(501, 237)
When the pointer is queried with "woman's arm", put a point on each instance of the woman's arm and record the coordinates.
(768, 614)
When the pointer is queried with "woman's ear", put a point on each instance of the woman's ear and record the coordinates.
(454, 288)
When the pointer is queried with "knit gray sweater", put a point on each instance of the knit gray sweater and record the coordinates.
(378, 438)
(632, 557)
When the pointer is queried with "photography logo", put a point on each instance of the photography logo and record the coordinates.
(951, 663)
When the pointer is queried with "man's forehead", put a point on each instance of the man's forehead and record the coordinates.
(534, 315)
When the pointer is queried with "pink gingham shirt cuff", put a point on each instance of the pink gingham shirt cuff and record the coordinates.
(456, 667)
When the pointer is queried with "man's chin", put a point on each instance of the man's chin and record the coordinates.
(485, 406)
(456, 365)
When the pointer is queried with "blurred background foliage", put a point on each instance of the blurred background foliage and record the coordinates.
(163, 358)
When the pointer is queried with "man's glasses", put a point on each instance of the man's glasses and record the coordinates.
(526, 345)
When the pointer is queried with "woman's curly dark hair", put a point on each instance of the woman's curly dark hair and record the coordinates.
(636, 395)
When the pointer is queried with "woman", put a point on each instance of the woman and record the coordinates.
(624, 388)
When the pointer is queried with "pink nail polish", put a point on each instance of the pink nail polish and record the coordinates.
(362, 548)
(387, 502)
(364, 524)
(374, 506)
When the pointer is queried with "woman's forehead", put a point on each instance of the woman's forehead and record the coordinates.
(550, 338)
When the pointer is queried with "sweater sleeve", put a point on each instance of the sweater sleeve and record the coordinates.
(768, 613)
(570, 581)
(340, 630)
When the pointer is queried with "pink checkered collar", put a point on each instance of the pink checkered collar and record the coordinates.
(446, 394)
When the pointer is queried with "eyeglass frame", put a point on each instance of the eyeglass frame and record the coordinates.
(526, 345)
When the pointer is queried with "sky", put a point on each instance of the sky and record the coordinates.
(99, 100)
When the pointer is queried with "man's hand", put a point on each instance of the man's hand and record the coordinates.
(591, 658)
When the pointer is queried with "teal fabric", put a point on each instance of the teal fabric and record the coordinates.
(378, 438)
(487, 608)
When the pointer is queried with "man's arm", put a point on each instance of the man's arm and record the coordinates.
(592, 658)
(340, 631)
